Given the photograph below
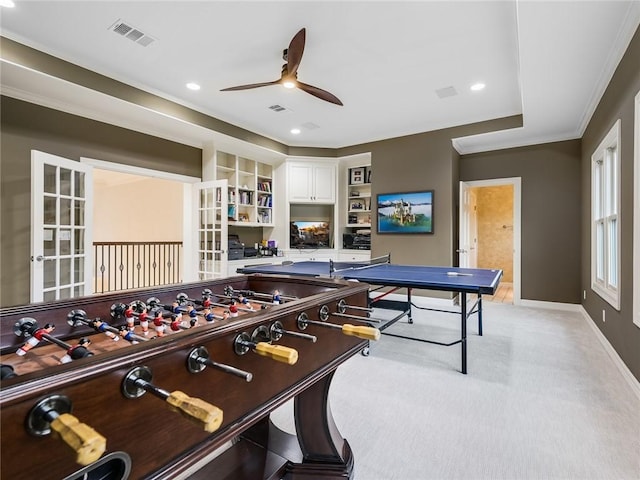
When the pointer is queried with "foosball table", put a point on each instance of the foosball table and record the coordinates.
(179, 381)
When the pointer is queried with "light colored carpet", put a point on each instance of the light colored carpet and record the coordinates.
(541, 400)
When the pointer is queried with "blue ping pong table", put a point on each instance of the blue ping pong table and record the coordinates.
(382, 274)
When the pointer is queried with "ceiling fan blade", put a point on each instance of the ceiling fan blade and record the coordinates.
(295, 51)
(318, 92)
(251, 85)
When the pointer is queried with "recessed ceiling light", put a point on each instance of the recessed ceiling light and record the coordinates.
(476, 87)
(193, 86)
(7, 3)
(295, 131)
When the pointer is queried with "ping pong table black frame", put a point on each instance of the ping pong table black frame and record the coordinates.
(405, 309)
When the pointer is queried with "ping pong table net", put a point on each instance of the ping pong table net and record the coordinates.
(335, 268)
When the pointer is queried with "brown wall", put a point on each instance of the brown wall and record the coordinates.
(550, 213)
(616, 103)
(26, 126)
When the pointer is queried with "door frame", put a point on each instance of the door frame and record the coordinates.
(189, 240)
(516, 182)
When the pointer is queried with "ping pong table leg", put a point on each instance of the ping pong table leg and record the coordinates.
(463, 343)
(480, 314)
(409, 317)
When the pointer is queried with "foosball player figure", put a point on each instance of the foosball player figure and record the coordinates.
(131, 318)
(208, 315)
(233, 311)
(36, 338)
(242, 300)
(176, 323)
(193, 315)
(80, 350)
(127, 334)
(100, 326)
(276, 297)
(158, 322)
(144, 323)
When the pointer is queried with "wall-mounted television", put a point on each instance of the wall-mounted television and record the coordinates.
(407, 212)
(310, 234)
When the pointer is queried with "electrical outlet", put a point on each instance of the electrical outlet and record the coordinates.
(584, 294)
(603, 316)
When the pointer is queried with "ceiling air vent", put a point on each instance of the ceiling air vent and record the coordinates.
(279, 108)
(132, 33)
(446, 92)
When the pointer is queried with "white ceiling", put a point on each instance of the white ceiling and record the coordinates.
(549, 61)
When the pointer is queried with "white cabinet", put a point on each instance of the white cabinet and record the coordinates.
(311, 183)
(354, 255)
(250, 189)
(310, 255)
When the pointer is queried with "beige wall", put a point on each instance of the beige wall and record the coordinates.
(130, 208)
(495, 228)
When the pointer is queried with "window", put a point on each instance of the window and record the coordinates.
(605, 218)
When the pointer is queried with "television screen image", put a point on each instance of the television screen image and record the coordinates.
(305, 234)
(408, 212)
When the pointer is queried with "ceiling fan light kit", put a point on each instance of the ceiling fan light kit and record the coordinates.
(289, 74)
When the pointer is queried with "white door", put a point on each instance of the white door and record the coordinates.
(468, 242)
(212, 202)
(61, 215)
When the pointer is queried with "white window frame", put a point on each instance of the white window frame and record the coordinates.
(605, 218)
(636, 214)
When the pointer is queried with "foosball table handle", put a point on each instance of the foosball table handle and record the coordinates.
(208, 416)
(88, 444)
(278, 353)
(368, 333)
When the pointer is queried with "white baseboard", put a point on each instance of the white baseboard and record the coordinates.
(572, 307)
(622, 367)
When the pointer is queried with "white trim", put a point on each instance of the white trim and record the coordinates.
(567, 307)
(517, 226)
(636, 216)
(609, 293)
(144, 172)
(617, 361)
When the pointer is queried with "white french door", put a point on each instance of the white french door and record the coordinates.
(61, 213)
(212, 222)
(468, 241)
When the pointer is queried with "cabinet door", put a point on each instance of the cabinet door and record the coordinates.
(300, 185)
(324, 184)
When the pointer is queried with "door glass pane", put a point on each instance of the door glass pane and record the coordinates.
(65, 181)
(49, 244)
(78, 243)
(49, 213)
(78, 271)
(78, 217)
(65, 271)
(49, 296)
(65, 211)
(65, 242)
(78, 190)
(65, 293)
(78, 291)
(49, 273)
(50, 179)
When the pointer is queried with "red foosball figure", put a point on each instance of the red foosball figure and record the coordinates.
(131, 319)
(176, 322)
(35, 339)
(144, 323)
(80, 350)
(159, 323)
(233, 311)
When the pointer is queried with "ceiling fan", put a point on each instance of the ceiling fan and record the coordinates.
(289, 75)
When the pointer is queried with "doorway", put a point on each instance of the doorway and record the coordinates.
(490, 231)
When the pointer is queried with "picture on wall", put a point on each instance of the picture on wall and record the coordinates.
(407, 212)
